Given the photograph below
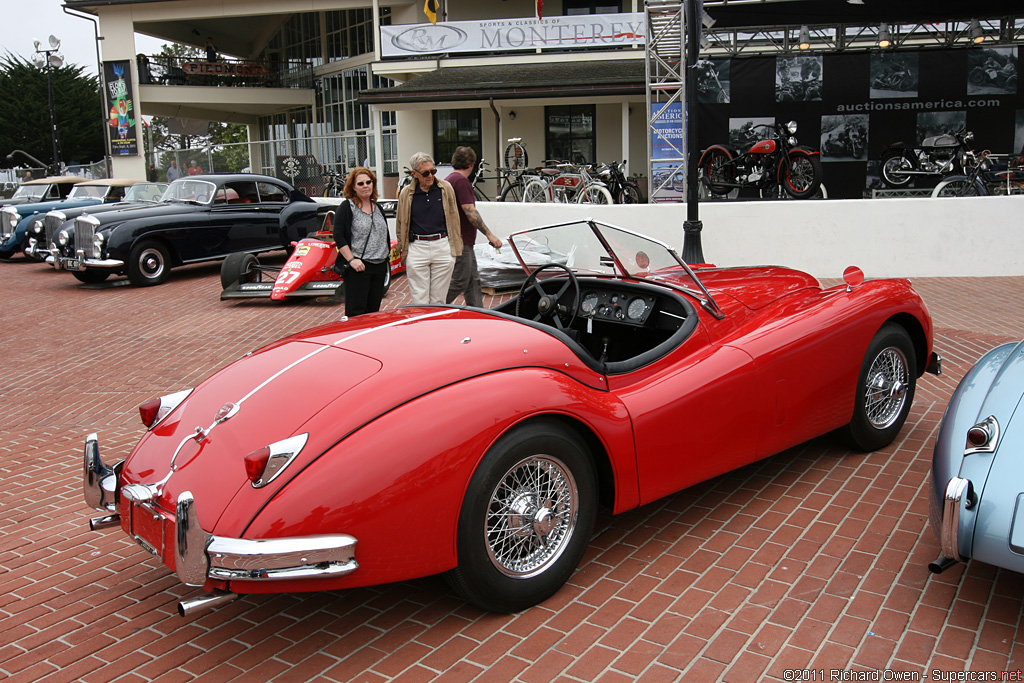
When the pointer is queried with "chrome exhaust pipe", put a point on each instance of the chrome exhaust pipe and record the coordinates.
(204, 603)
(104, 522)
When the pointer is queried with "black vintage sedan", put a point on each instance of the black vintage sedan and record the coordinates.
(199, 218)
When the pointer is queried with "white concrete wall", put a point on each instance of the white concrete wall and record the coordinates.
(974, 236)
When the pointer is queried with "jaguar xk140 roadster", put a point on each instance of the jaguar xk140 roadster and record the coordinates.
(479, 443)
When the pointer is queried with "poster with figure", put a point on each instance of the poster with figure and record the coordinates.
(894, 74)
(844, 137)
(931, 124)
(713, 80)
(1018, 134)
(744, 132)
(798, 79)
(992, 71)
(117, 88)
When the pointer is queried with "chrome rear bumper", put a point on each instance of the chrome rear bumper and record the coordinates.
(958, 496)
(199, 555)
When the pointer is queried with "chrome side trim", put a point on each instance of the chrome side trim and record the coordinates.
(199, 555)
(957, 496)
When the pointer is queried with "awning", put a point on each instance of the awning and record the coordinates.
(572, 78)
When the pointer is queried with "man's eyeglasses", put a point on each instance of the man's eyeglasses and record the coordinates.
(430, 172)
(364, 182)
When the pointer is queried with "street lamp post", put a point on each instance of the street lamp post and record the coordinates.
(47, 59)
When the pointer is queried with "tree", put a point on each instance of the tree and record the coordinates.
(25, 113)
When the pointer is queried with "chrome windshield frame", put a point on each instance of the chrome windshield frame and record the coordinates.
(700, 293)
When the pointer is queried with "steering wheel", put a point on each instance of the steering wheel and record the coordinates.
(547, 304)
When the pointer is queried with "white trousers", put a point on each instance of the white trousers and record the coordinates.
(429, 267)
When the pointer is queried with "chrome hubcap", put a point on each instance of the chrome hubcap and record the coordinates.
(887, 383)
(531, 516)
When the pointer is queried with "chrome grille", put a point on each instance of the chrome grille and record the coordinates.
(8, 215)
(85, 228)
(51, 224)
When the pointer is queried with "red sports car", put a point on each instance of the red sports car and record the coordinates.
(479, 443)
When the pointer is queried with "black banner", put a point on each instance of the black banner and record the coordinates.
(117, 86)
(850, 106)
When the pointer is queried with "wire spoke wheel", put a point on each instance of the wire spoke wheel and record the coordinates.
(887, 384)
(536, 191)
(531, 516)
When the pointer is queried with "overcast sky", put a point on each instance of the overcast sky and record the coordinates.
(23, 21)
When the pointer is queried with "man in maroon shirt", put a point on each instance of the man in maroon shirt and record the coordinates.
(466, 277)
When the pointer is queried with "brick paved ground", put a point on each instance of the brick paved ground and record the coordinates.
(813, 559)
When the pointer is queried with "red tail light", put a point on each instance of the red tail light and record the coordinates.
(149, 411)
(977, 436)
(256, 464)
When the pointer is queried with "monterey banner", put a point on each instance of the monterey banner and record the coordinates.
(499, 35)
(117, 86)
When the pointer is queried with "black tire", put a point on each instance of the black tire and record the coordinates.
(885, 389)
(801, 176)
(91, 277)
(630, 193)
(515, 551)
(149, 264)
(239, 267)
(718, 172)
(512, 193)
(890, 170)
(387, 280)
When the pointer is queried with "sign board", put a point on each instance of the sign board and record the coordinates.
(117, 89)
(501, 35)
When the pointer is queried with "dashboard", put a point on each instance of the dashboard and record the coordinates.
(616, 305)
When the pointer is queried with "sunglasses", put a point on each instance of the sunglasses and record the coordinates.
(364, 182)
(430, 172)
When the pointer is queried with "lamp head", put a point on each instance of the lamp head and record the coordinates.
(54, 42)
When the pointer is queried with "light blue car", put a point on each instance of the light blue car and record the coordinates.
(16, 220)
(977, 487)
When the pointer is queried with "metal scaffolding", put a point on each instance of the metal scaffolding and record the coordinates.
(665, 61)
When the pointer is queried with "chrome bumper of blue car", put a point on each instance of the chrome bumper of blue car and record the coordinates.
(958, 496)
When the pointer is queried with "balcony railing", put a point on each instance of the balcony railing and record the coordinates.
(243, 73)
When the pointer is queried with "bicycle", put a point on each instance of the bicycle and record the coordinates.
(573, 184)
(335, 186)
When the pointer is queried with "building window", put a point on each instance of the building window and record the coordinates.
(452, 128)
(577, 7)
(569, 133)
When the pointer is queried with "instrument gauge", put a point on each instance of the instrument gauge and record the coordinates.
(637, 308)
(589, 304)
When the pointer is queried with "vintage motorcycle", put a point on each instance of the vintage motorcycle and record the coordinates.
(937, 157)
(775, 161)
(624, 190)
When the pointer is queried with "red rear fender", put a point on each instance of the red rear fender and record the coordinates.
(397, 483)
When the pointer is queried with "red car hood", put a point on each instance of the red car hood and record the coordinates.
(327, 382)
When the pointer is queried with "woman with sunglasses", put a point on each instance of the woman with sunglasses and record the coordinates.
(361, 237)
(428, 230)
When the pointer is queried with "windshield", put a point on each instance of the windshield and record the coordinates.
(145, 192)
(31, 190)
(593, 248)
(81, 191)
(189, 190)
